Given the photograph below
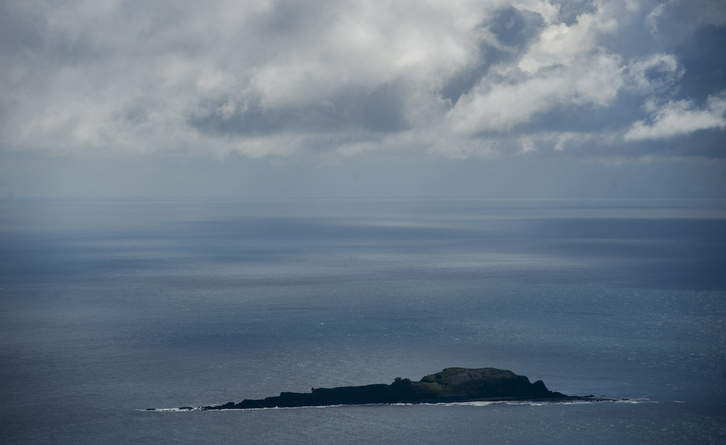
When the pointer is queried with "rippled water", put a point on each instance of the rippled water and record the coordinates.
(107, 308)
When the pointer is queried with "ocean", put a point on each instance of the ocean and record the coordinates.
(109, 307)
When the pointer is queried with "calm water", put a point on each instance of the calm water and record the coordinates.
(107, 308)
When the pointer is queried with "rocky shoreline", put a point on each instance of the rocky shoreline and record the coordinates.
(451, 385)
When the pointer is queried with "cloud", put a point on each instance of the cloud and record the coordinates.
(679, 118)
(674, 20)
(653, 18)
(655, 73)
(332, 78)
(560, 44)
(501, 107)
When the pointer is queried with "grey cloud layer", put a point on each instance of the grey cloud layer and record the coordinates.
(327, 77)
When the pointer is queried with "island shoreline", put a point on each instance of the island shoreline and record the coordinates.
(449, 386)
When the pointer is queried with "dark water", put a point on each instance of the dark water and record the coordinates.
(107, 308)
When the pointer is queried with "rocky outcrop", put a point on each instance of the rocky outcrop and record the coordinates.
(449, 385)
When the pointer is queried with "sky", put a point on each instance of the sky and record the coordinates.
(369, 98)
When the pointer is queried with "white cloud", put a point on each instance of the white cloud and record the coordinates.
(560, 44)
(675, 20)
(653, 73)
(682, 117)
(652, 20)
(565, 139)
(365, 44)
(564, 67)
(527, 145)
(594, 80)
(343, 77)
(546, 9)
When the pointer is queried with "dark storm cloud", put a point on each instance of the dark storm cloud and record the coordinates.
(285, 78)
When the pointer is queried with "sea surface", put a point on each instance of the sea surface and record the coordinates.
(109, 307)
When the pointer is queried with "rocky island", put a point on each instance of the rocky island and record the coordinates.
(448, 386)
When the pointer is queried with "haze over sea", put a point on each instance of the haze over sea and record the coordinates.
(109, 307)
